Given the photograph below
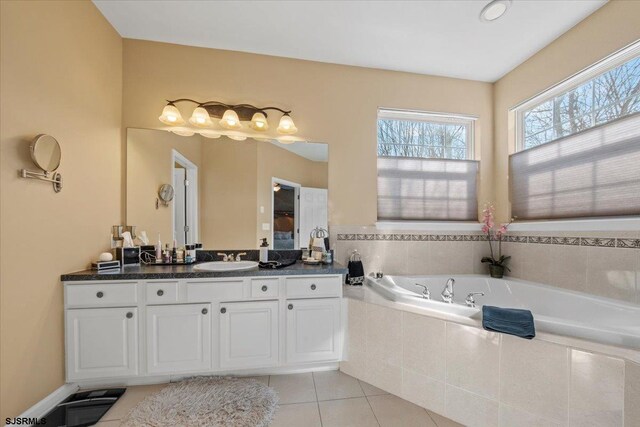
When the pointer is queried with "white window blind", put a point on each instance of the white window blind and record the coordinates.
(424, 171)
(589, 174)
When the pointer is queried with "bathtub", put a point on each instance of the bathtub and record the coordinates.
(555, 311)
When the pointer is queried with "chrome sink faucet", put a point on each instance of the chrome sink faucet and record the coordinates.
(239, 255)
(447, 292)
(226, 257)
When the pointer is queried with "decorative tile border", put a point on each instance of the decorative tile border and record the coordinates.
(604, 242)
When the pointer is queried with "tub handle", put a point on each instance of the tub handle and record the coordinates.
(426, 294)
(471, 301)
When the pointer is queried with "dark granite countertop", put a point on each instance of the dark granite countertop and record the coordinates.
(149, 272)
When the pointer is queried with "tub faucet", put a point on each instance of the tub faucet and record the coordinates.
(447, 292)
(425, 291)
(471, 301)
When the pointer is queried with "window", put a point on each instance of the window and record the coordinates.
(578, 145)
(607, 97)
(426, 169)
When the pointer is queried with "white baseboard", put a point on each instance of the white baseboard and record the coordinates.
(163, 379)
(41, 408)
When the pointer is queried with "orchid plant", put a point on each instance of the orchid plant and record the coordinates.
(494, 234)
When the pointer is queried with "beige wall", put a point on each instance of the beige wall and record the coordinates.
(149, 166)
(61, 74)
(229, 192)
(609, 29)
(331, 103)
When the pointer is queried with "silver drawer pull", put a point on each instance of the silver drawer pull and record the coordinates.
(313, 287)
(100, 294)
(129, 315)
(264, 288)
(205, 311)
(160, 292)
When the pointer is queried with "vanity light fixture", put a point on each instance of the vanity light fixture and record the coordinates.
(183, 132)
(238, 122)
(230, 120)
(286, 126)
(237, 137)
(494, 10)
(200, 118)
(259, 122)
(171, 115)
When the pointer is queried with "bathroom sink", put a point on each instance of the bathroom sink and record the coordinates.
(226, 266)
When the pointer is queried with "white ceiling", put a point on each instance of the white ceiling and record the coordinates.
(313, 151)
(437, 37)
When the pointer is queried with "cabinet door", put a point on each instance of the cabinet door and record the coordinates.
(101, 343)
(178, 338)
(248, 334)
(313, 330)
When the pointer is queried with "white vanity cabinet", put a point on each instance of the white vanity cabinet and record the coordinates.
(178, 338)
(101, 342)
(136, 331)
(248, 334)
(313, 330)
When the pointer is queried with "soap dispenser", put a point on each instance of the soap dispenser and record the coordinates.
(264, 250)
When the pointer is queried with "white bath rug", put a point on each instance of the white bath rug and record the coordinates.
(207, 401)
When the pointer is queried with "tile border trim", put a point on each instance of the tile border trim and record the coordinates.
(604, 242)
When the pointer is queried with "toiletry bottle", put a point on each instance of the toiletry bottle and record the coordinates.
(166, 256)
(264, 250)
(159, 250)
(198, 248)
(174, 252)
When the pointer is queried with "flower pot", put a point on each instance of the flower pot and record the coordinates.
(496, 271)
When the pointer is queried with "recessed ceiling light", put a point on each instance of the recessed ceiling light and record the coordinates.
(494, 10)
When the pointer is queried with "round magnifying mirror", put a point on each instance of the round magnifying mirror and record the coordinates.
(166, 192)
(46, 153)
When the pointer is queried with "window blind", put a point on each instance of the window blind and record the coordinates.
(427, 189)
(591, 174)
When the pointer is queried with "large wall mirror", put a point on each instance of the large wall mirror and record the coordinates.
(226, 194)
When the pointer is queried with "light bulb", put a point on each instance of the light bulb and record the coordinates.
(171, 116)
(259, 122)
(200, 118)
(287, 126)
(230, 120)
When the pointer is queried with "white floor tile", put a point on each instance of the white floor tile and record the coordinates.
(331, 385)
(294, 388)
(297, 414)
(391, 411)
(347, 413)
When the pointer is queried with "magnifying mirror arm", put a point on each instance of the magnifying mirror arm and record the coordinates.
(54, 178)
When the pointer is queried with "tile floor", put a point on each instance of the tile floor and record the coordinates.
(319, 399)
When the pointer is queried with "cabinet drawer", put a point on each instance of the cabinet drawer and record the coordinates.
(98, 294)
(211, 291)
(162, 292)
(309, 287)
(264, 288)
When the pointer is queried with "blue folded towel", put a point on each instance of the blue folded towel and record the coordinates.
(510, 321)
